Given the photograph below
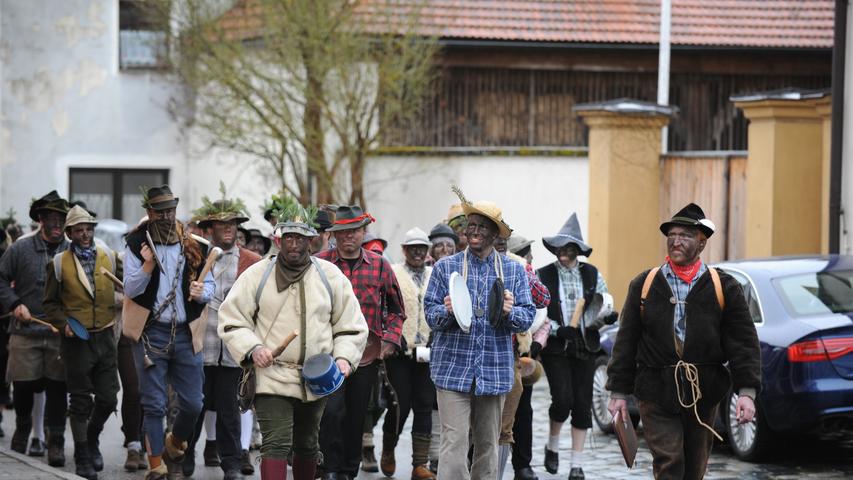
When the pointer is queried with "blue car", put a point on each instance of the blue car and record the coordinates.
(802, 309)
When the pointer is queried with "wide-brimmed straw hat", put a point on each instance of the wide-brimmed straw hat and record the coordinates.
(690, 216)
(491, 211)
(570, 232)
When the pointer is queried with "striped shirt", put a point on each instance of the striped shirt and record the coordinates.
(680, 289)
(483, 357)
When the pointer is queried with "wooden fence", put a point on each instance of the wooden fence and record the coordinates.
(716, 181)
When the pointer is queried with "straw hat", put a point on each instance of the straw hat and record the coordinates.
(491, 211)
(78, 215)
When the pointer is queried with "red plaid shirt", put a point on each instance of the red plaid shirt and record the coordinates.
(538, 291)
(378, 293)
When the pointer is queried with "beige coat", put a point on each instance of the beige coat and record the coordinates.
(339, 330)
(413, 300)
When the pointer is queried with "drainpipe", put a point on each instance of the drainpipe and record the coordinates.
(839, 51)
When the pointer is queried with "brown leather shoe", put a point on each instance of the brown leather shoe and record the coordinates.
(387, 463)
(134, 460)
(421, 472)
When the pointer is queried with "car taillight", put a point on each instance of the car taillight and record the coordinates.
(820, 350)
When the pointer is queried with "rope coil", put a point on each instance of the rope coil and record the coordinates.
(691, 374)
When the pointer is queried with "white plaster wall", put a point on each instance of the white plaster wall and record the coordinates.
(65, 102)
(536, 193)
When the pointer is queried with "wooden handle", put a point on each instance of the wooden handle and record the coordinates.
(118, 283)
(212, 257)
(46, 324)
(280, 349)
(576, 316)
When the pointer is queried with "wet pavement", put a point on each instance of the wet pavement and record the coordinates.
(796, 459)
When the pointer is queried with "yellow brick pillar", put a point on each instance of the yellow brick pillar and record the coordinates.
(624, 188)
(824, 110)
(784, 173)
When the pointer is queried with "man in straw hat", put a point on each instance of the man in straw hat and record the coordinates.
(378, 293)
(221, 371)
(163, 307)
(34, 349)
(473, 370)
(407, 371)
(686, 339)
(569, 355)
(77, 288)
(272, 299)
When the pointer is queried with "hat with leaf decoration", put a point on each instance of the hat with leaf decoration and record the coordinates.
(278, 202)
(294, 218)
(222, 210)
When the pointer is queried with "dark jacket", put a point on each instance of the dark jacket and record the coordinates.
(576, 345)
(644, 354)
(135, 240)
(25, 265)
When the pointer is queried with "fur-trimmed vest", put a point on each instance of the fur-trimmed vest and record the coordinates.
(413, 301)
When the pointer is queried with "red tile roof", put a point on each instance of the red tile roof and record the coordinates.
(714, 23)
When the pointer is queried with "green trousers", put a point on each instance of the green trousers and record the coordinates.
(289, 423)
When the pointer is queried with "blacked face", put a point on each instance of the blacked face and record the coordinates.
(500, 245)
(481, 233)
(224, 234)
(415, 255)
(684, 244)
(568, 254)
(82, 234)
(294, 247)
(349, 241)
(51, 226)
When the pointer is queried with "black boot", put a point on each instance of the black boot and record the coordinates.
(83, 461)
(56, 449)
(100, 414)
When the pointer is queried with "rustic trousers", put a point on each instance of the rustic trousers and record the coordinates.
(460, 412)
(680, 445)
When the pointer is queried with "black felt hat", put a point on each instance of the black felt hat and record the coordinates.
(350, 217)
(51, 202)
(690, 216)
(324, 220)
(442, 230)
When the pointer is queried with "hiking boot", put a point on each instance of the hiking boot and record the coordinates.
(97, 458)
(160, 472)
(188, 465)
(388, 463)
(211, 455)
(421, 472)
(36, 448)
(368, 460)
(83, 461)
(246, 467)
(134, 460)
(56, 450)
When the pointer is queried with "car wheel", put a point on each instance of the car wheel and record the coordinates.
(750, 441)
(601, 396)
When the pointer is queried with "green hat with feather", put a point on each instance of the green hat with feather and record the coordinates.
(221, 210)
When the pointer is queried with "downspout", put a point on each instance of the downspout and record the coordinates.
(839, 51)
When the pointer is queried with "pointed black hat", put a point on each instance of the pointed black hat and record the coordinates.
(570, 232)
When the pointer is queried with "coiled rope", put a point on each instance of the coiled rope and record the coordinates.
(691, 374)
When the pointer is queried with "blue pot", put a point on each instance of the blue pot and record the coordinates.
(321, 374)
(78, 328)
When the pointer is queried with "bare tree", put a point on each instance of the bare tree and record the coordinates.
(305, 87)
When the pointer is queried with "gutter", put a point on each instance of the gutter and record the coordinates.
(839, 52)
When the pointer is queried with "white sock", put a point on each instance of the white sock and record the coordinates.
(210, 425)
(247, 420)
(554, 443)
(38, 415)
(576, 459)
(135, 446)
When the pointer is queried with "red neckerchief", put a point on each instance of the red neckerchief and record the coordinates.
(686, 272)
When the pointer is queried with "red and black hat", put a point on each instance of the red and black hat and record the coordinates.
(349, 218)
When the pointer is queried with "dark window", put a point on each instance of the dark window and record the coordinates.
(142, 42)
(114, 193)
(749, 294)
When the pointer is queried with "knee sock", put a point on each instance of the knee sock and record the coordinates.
(247, 421)
(554, 443)
(576, 459)
(38, 416)
(210, 425)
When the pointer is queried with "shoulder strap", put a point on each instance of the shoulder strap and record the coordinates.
(324, 279)
(647, 285)
(57, 266)
(261, 287)
(718, 287)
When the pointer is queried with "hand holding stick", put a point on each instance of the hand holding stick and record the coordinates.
(154, 251)
(212, 257)
(46, 324)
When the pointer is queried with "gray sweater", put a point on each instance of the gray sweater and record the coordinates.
(24, 265)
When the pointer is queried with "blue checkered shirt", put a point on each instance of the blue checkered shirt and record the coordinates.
(483, 357)
(680, 289)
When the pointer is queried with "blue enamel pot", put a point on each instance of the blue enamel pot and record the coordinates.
(321, 374)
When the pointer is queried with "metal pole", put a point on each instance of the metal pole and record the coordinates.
(839, 51)
(663, 64)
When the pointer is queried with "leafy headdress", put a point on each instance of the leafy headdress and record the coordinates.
(294, 218)
(222, 210)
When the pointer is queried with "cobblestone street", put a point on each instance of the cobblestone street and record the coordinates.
(796, 460)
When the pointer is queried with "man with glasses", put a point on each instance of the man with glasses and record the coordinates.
(686, 339)
(473, 368)
(378, 293)
(162, 313)
(569, 355)
(35, 363)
